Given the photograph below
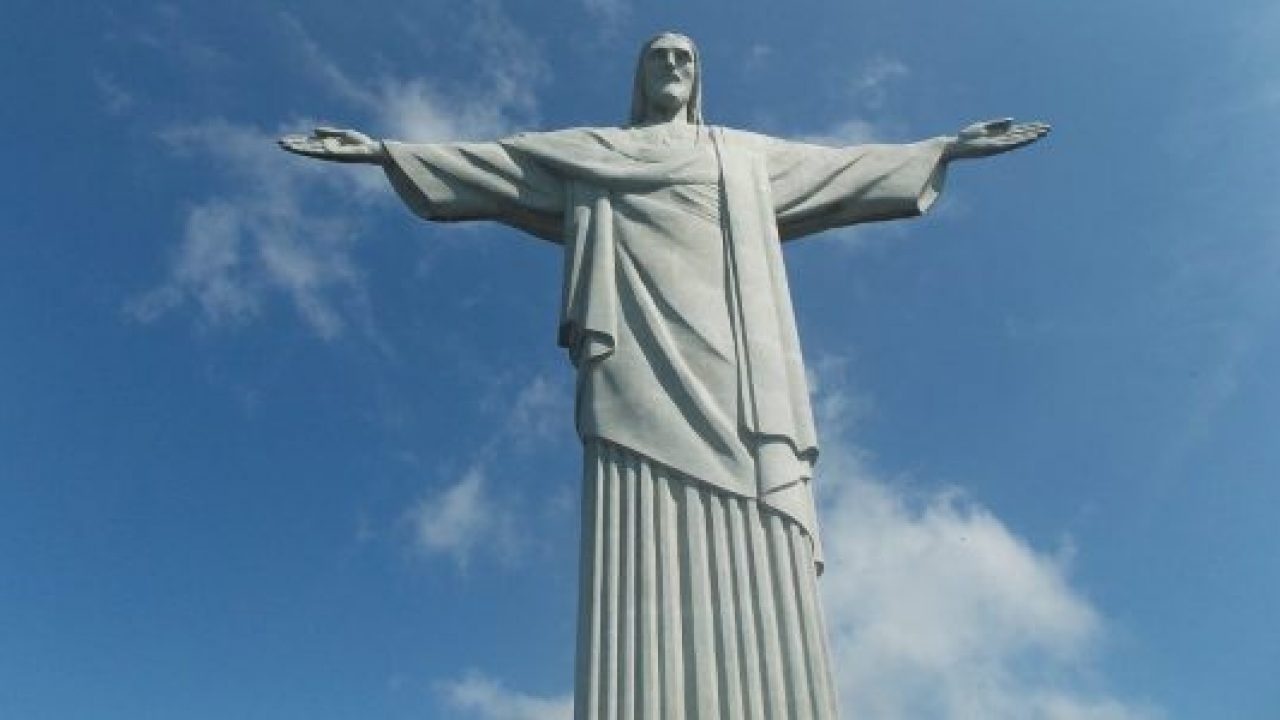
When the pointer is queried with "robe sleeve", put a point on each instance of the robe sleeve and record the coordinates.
(817, 188)
(479, 181)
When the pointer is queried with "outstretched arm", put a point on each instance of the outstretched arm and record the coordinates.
(817, 188)
(337, 145)
(992, 137)
(452, 181)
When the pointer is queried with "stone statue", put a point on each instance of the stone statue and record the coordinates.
(700, 545)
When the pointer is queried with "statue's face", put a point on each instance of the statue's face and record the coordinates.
(669, 73)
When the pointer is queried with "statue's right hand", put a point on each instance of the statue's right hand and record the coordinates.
(335, 144)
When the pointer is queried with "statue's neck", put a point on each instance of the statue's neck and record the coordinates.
(657, 114)
(666, 135)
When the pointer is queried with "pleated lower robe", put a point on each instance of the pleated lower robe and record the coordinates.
(695, 604)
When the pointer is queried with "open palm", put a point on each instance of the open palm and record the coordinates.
(338, 145)
(993, 137)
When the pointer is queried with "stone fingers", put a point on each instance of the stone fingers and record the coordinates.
(302, 145)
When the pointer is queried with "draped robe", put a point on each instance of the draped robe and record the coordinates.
(691, 392)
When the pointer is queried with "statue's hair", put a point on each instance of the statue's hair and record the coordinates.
(639, 100)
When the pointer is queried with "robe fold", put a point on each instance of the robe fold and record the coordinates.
(675, 306)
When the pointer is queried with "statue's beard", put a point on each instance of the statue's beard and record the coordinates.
(670, 97)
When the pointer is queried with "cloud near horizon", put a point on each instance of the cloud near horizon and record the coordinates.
(482, 698)
(936, 608)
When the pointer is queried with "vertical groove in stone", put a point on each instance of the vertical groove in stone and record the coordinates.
(831, 699)
(672, 628)
(613, 617)
(648, 679)
(770, 648)
(789, 621)
(627, 588)
(811, 617)
(590, 567)
(726, 607)
(700, 671)
(748, 611)
(791, 624)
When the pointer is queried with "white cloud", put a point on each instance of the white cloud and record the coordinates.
(483, 698)
(936, 609)
(285, 227)
(462, 519)
(539, 411)
(609, 14)
(208, 269)
(511, 59)
(116, 100)
(868, 86)
(473, 516)
(412, 110)
(1222, 299)
(266, 235)
(758, 54)
(417, 109)
(869, 90)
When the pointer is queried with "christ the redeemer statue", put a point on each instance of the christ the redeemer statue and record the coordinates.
(700, 545)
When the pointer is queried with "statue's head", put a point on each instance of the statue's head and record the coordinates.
(668, 76)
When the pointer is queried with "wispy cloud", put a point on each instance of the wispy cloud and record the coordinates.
(511, 59)
(422, 110)
(284, 227)
(1245, 92)
(608, 14)
(265, 236)
(869, 90)
(483, 698)
(1219, 302)
(473, 516)
(167, 29)
(116, 100)
(758, 54)
(870, 86)
(539, 411)
(937, 609)
(461, 519)
(1219, 306)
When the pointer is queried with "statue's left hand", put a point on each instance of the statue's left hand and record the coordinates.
(326, 143)
(993, 137)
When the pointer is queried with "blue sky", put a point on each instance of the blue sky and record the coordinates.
(270, 447)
